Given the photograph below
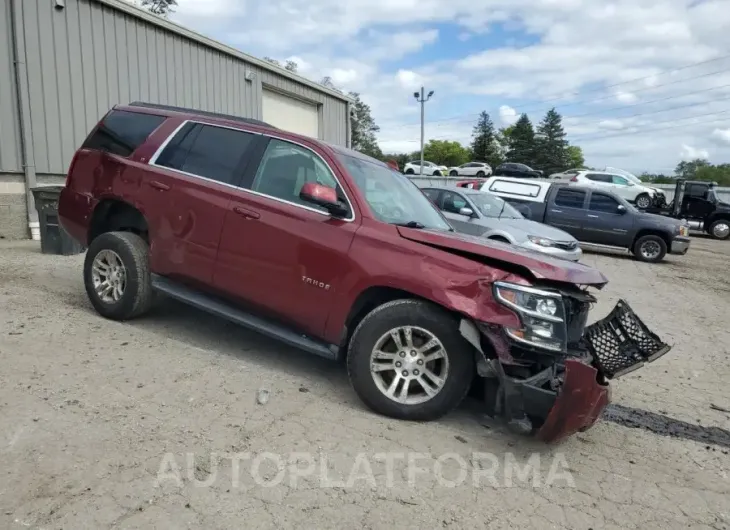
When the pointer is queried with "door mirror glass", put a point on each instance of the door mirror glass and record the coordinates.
(621, 209)
(466, 211)
(323, 196)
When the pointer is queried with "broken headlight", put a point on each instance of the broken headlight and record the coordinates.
(542, 314)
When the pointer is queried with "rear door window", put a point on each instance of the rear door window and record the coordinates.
(596, 177)
(568, 198)
(432, 195)
(207, 151)
(122, 132)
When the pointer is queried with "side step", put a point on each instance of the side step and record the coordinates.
(233, 314)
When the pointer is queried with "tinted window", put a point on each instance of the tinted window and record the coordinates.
(453, 202)
(122, 132)
(208, 151)
(696, 190)
(432, 195)
(285, 168)
(603, 203)
(595, 177)
(570, 198)
(522, 167)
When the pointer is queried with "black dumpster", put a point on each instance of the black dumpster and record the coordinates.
(54, 239)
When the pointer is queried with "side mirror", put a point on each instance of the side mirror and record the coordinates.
(323, 196)
(467, 211)
(621, 209)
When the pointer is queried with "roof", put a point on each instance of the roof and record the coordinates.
(140, 13)
(183, 110)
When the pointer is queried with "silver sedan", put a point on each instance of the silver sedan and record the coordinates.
(480, 213)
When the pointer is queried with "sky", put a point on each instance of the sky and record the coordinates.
(641, 84)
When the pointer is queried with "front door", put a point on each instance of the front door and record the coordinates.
(451, 205)
(279, 253)
(623, 188)
(605, 224)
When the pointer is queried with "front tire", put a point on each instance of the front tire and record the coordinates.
(643, 201)
(407, 360)
(720, 229)
(454, 173)
(481, 174)
(117, 275)
(410, 171)
(437, 173)
(650, 249)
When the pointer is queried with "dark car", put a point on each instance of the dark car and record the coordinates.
(512, 169)
(597, 217)
(333, 252)
(698, 203)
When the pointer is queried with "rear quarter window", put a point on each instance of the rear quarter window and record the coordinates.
(570, 198)
(122, 132)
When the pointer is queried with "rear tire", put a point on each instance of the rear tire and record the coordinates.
(454, 174)
(410, 171)
(650, 249)
(117, 275)
(375, 333)
(481, 174)
(720, 229)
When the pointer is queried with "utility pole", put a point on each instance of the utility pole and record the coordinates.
(422, 98)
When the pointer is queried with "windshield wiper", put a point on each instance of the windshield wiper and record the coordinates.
(411, 224)
(504, 203)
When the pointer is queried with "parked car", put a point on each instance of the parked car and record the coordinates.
(564, 175)
(595, 216)
(698, 203)
(660, 198)
(333, 252)
(429, 168)
(484, 214)
(474, 184)
(643, 196)
(471, 169)
(511, 169)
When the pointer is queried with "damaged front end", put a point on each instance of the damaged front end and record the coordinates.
(550, 376)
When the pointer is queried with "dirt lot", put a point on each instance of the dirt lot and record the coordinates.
(155, 424)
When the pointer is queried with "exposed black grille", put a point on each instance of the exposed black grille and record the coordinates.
(567, 245)
(576, 314)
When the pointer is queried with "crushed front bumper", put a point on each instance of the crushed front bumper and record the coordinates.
(680, 245)
(579, 392)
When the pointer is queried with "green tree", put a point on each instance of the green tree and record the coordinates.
(159, 7)
(575, 157)
(687, 169)
(446, 153)
(292, 66)
(484, 144)
(551, 153)
(363, 128)
(521, 142)
(719, 174)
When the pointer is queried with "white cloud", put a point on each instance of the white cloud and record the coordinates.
(409, 79)
(507, 115)
(626, 97)
(611, 124)
(721, 136)
(690, 153)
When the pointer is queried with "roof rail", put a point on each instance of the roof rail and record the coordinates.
(185, 110)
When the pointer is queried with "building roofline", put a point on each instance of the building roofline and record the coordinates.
(140, 13)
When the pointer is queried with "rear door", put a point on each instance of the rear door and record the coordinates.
(197, 171)
(604, 224)
(567, 211)
(600, 181)
(277, 252)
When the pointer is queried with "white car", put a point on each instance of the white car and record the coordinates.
(565, 175)
(642, 196)
(471, 169)
(429, 168)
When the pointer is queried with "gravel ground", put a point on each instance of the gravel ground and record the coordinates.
(159, 423)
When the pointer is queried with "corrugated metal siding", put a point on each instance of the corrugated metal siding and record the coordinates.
(86, 58)
(10, 159)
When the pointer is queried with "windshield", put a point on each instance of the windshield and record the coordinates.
(492, 206)
(392, 197)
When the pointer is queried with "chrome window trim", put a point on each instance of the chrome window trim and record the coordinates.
(153, 162)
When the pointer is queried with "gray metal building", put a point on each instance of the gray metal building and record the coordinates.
(64, 63)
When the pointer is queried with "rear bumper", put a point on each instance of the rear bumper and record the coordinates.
(680, 245)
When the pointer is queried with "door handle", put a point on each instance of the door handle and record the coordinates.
(244, 212)
(556, 211)
(159, 185)
(592, 216)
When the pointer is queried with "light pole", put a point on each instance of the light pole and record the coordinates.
(422, 98)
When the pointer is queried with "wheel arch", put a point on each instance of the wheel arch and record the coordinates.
(112, 215)
(652, 232)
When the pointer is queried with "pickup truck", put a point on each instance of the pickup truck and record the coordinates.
(597, 217)
(333, 252)
(698, 203)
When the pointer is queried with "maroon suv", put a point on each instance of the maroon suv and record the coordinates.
(331, 251)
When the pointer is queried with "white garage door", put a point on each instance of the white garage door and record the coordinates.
(290, 114)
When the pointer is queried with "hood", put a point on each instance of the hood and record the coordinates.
(661, 219)
(540, 266)
(533, 228)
